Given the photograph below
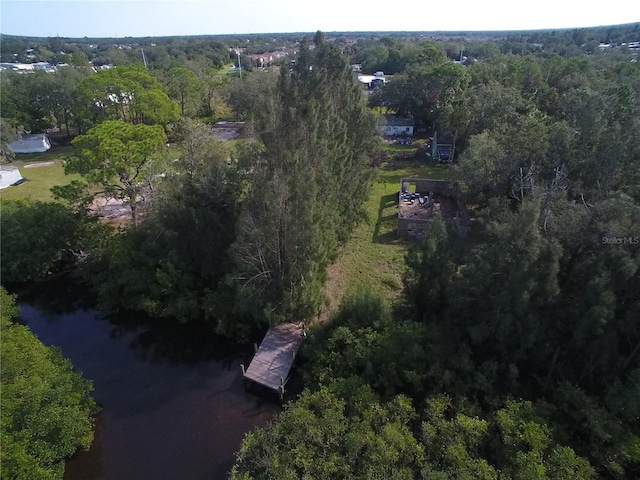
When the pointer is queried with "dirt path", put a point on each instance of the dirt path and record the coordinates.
(38, 164)
(334, 290)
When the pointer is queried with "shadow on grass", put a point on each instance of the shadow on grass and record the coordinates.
(389, 220)
(55, 153)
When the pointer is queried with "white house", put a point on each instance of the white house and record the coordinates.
(9, 175)
(33, 143)
(393, 126)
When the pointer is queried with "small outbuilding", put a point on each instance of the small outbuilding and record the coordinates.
(393, 126)
(9, 175)
(442, 148)
(32, 143)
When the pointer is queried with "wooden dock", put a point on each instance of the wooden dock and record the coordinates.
(272, 362)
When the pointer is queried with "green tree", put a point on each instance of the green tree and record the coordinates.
(171, 264)
(214, 85)
(129, 94)
(362, 340)
(183, 85)
(253, 96)
(40, 238)
(116, 157)
(434, 259)
(306, 188)
(46, 406)
(19, 96)
(57, 94)
(528, 452)
(453, 442)
(432, 94)
(484, 167)
(9, 131)
(323, 435)
(510, 286)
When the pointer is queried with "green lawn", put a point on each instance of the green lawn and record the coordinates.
(374, 256)
(40, 178)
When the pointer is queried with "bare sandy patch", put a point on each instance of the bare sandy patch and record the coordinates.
(110, 209)
(38, 164)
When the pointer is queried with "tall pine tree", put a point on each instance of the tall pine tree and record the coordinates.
(306, 189)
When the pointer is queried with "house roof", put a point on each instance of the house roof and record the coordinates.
(393, 121)
(36, 142)
(34, 137)
(9, 175)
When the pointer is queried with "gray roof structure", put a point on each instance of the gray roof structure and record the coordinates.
(393, 121)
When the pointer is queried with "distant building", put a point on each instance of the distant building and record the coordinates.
(393, 126)
(371, 81)
(17, 67)
(266, 59)
(33, 143)
(28, 67)
(102, 67)
(45, 66)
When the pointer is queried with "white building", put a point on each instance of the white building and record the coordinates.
(9, 175)
(33, 143)
(393, 126)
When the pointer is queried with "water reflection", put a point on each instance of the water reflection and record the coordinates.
(159, 340)
(56, 296)
(173, 403)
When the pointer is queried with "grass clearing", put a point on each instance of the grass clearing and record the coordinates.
(374, 256)
(42, 171)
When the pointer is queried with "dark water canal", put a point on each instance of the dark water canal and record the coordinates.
(173, 403)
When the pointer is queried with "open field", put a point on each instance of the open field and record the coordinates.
(42, 171)
(374, 256)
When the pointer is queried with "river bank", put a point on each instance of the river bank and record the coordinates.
(172, 398)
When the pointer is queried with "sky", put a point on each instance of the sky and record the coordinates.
(121, 18)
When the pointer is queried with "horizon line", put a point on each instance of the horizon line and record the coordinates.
(332, 32)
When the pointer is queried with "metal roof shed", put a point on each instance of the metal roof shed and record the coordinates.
(9, 176)
(32, 143)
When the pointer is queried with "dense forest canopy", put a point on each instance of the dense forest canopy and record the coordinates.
(47, 411)
(513, 349)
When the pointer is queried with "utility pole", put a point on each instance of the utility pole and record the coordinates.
(239, 63)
